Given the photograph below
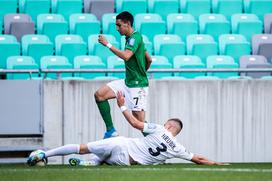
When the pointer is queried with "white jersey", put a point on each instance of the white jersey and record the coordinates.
(158, 146)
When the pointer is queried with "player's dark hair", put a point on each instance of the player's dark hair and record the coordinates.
(178, 121)
(126, 16)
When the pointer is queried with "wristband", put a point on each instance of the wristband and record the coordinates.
(109, 45)
(123, 108)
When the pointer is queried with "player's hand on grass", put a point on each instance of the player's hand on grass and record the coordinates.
(102, 40)
(222, 164)
(120, 99)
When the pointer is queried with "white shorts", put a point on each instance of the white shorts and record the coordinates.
(112, 150)
(136, 98)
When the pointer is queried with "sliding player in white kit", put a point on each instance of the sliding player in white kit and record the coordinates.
(159, 145)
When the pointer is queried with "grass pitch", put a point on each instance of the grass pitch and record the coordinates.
(166, 172)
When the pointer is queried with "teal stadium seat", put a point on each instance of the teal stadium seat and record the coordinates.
(222, 61)
(21, 62)
(55, 62)
(7, 6)
(163, 7)
(214, 24)
(67, 7)
(70, 46)
(132, 6)
(84, 25)
(115, 62)
(188, 62)
(37, 46)
(34, 7)
(160, 62)
(95, 48)
(8, 47)
(195, 7)
(148, 44)
(51, 25)
(109, 25)
(169, 46)
(1, 26)
(182, 25)
(144, 23)
(227, 7)
(89, 62)
(201, 45)
(258, 7)
(234, 45)
(246, 24)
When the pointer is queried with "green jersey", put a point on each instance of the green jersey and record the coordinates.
(136, 75)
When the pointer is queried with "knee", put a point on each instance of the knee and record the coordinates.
(98, 96)
(83, 149)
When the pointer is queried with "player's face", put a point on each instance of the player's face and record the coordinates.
(121, 27)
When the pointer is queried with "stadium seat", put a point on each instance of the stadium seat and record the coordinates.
(18, 25)
(132, 6)
(21, 62)
(221, 62)
(148, 44)
(55, 62)
(246, 24)
(195, 7)
(51, 25)
(84, 25)
(169, 46)
(67, 7)
(7, 7)
(70, 46)
(109, 26)
(163, 7)
(34, 7)
(254, 61)
(182, 25)
(37, 46)
(227, 7)
(201, 45)
(99, 7)
(1, 26)
(262, 45)
(188, 62)
(114, 62)
(268, 23)
(147, 22)
(234, 45)
(8, 47)
(160, 62)
(258, 7)
(214, 24)
(89, 62)
(95, 48)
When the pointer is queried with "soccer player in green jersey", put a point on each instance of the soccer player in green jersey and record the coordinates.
(135, 85)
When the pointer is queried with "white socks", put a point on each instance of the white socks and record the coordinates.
(63, 150)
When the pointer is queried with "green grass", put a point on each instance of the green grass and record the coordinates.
(167, 172)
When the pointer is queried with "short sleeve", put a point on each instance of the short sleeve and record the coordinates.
(150, 128)
(133, 43)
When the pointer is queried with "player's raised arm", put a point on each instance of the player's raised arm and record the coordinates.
(125, 55)
(134, 122)
(201, 160)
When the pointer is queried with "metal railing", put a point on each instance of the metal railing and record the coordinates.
(59, 71)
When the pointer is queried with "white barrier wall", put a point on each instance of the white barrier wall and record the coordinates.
(226, 120)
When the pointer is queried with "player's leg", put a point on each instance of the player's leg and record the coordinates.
(101, 97)
(94, 160)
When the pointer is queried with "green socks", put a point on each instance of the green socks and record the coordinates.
(104, 108)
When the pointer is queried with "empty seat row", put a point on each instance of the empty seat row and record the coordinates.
(180, 24)
(180, 62)
(165, 45)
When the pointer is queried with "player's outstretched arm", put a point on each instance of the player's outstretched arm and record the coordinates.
(201, 160)
(134, 122)
(125, 55)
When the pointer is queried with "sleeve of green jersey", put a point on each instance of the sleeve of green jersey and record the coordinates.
(133, 43)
